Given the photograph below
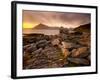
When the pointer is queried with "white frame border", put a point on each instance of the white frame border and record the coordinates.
(35, 72)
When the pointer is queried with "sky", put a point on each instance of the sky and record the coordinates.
(54, 19)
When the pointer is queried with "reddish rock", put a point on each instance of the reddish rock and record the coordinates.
(79, 52)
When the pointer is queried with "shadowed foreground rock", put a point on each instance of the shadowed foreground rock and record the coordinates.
(80, 61)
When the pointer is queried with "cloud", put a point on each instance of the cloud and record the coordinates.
(65, 19)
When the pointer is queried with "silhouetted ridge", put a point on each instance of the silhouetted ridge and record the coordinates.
(84, 28)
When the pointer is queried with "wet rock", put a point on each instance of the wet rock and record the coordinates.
(79, 61)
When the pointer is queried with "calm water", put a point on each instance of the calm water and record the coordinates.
(42, 31)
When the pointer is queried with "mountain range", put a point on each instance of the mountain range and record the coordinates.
(81, 28)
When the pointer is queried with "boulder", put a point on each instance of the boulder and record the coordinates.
(80, 52)
(42, 43)
(52, 53)
(30, 48)
(64, 30)
(80, 61)
(85, 40)
(63, 36)
(55, 42)
(26, 46)
(38, 51)
(37, 64)
(67, 44)
(65, 52)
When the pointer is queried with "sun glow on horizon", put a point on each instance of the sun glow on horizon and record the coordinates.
(29, 25)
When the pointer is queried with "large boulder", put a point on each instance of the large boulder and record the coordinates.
(80, 52)
(80, 61)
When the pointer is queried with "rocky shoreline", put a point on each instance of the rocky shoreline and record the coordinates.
(68, 49)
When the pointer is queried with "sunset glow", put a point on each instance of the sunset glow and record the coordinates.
(29, 25)
(54, 19)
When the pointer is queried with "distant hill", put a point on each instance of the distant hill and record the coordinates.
(84, 28)
(43, 26)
